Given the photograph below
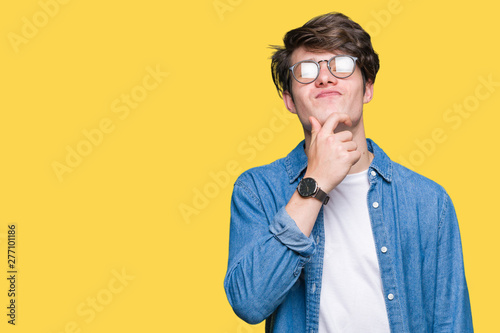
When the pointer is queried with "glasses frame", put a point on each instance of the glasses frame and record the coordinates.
(327, 65)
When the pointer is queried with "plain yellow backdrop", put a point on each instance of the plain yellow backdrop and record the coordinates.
(124, 124)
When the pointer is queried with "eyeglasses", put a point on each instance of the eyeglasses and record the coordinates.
(307, 71)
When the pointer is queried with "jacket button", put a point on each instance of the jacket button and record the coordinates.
(383, 249)
(390, 297)
(375, 204)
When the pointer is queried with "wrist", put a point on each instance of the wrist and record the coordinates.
(309, 188)
(323, 183)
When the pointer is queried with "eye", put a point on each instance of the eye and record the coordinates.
(305, 71)
(343, 65)
(308, 70)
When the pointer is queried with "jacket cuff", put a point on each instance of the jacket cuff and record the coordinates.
(284, 228)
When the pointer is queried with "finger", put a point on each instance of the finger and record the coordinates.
(354, 156)
(334, 120)
(343, 136)
(350, 145)
(315, 126)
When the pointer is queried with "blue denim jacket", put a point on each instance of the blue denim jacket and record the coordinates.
(274, 271)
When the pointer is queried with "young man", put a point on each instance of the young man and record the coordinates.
(336, 237)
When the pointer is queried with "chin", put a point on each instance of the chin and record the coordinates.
(324, 116)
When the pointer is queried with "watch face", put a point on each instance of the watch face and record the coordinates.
(307, 187)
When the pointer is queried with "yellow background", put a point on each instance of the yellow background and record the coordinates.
(119, 210)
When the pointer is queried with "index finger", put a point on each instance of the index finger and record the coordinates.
(334, 120)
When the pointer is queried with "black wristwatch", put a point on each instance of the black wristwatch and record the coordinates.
(308, 188)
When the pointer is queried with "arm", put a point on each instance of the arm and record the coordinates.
(452, 308)
(265, 257)
(330, 157)
(267, 254)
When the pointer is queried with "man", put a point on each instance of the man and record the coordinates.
(336, 237)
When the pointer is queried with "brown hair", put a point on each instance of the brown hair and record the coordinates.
(329, 32)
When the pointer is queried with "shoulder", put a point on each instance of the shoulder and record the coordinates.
(265, 188)
(271, 173)
(423, 201)
(271, 185)
(402, 178)
(415, 182)
(278, 174)
(421, 195)
(410, 191)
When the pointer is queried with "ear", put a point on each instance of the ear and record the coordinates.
(367, 97)
(290, 105)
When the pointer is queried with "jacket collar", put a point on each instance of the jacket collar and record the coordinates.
(296, 161)
(381, 162)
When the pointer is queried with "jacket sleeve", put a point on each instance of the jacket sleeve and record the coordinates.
(452, 307)
(266, 256)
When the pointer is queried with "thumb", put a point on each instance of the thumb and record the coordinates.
(315, 126)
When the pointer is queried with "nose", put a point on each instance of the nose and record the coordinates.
(325, 76)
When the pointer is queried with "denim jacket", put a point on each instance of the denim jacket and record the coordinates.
(274, 271)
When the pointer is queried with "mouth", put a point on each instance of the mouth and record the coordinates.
(328, 93)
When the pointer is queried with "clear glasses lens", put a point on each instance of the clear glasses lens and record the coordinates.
(306, 71)
(340, 66)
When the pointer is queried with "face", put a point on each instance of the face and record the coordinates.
(327, 94)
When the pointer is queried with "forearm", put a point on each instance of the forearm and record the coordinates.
(452, 310)
(304, 212)
(264, 264)
(258, 283)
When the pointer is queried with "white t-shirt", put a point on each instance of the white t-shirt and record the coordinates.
(352, 299)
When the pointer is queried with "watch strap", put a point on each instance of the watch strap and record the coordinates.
(321, 196)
